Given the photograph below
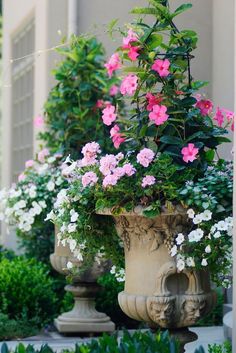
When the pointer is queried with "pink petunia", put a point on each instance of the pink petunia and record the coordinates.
(90, 152)
(21, 177)
(129, 85)
(158, 114)
(89, 179)
(152, 100)
(189, 153)
(148, 181)
(38, 121)
(42, 154)
(133, 53)
(29, 163)
(113, 64)
(161, 67)
(107, 164)
(109, 115)
(219, 117)
(110, 180)
(145, 157)
(114, 90)
(131, 37)
(129, 169)
(205, 106)
(116, 136)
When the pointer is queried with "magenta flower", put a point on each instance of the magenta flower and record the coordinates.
(38, 121)
(133, 53)
(89, 179)
(161, 67)
(148, 181)
(100, 103)
(42, 154)
(129, 85)
(219, 117)
(229, 114)
(152, 100)
(109, 115)
(29, 163)
(114, 90)
(116, 136)
(113, 64)
(108, 164)
(158, 114)
(131, 37)
(205, 106)
(110, 180)
(145, 157)
(189, 153)
(90, 152)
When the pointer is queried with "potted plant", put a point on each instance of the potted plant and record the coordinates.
(169, 141)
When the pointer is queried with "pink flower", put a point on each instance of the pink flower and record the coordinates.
(108, 164)
(116, 136)
(42, 154)
(148, 181)
(90, 152)
(38, 121)
(129, 85)
(145, 157)
(110, 180)
(29, 163)
(162, 67)
(152, 100)
(114, 90)
(113, 64)
(131, 37)
(232, 126)
(89, 179)
(158, 114)
(119, 172)
(100, 103)
(133, 53)
(108, 115)
(229, 114)
(129, 169)
(205, 106)
(219, 117)
(189, 153)
(21, 177)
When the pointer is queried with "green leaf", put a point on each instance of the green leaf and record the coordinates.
(210, 154)
(111, 25)
(181, 9)
(162, 9)
(154, 41)
(134, 69)
(145, 11)
(4, 348)
(171, 140)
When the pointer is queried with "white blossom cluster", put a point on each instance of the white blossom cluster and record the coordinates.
(118, 273)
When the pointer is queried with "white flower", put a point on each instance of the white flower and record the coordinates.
(63, 228)
(50, 216)
(208, 249)
(43, 204)
(72, 244)
(180, 239)
(197, 219)
(229, 220)
(68, 160)
(191, 213)
(51, 160)
(222, 225)
(32, 192)
(71, 227)
(217, 235)
(206, 215)
(69, 265)
(69, 169)
(74, 216)
(190, 262)
(42, 169)
(192, 236)
(204, 262)
(173, 251)
(180, 264)
(59, 181)
(199, 234)
(50, 185)
(113, 270)
(213, 229)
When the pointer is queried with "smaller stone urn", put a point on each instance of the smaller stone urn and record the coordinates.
(83, 317)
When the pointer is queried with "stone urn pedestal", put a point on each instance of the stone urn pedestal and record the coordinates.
(83, 318)
(155, 291)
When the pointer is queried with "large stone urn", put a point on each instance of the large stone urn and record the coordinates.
(155, 292)
(83, 317)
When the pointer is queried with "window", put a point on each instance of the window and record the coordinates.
(22, 98)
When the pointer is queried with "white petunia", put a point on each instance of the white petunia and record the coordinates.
(208, 249)
(50, 216)
(51, 160)
(71, 227)
(72, 244)
(69, 265)
(180, 264)
(217, 235)
(180, 239)
(206, 215)
(204, 262)
(74, 216)
(222, 225)
(191, 213)
(190, 262)
(173, 251)
(51, 185)
(197, 219)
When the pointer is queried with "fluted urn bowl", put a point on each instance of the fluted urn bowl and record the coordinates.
(155, 292)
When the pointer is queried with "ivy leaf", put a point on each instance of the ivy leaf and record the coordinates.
(181, 9)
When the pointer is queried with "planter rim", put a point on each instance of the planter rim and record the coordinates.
(138, 211)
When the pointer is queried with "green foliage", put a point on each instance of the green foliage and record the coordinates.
(14, 329)
(225, 348)
(215, 317)
(71, 114)
(26, 290)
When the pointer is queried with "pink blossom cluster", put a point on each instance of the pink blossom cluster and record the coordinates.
(117, 173)
(158, 114)
(222, 114)
(29, 163)
(204, 105)
(38, 121)
(109, 115)
(152, 100)
(148, 180)
(43, 154)
(145, 157)
(117, 137)
(161, 67)
(132, 50)
(89, 179)
(189, 153)
(129, 85)
(90, 152)
(113, 64)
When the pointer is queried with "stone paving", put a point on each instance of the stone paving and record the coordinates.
(207, 335)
